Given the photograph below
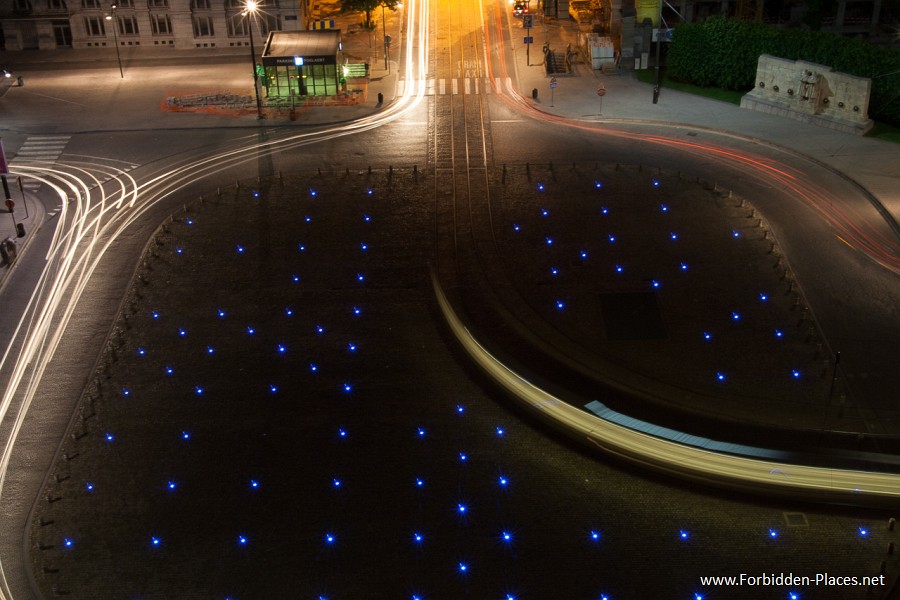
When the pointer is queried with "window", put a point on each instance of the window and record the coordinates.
(158, 3)
(268, 23)
(128, 25)
(56, 5)
(125, 4)
(94, 27)
(23, 6)
(203, 26)
(90, 3)
(235, 5)
(238, 26)
(160, 24)
(200, 5)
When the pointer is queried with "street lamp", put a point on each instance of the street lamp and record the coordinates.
(115, 28)
(250, 9)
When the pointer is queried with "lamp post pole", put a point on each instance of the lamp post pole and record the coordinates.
(384, 38)
(251, 11)
(115, 27)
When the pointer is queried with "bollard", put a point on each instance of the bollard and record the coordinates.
(890, 548)
(20, 81)
(534, 93)
(380, 98)
(891, 522)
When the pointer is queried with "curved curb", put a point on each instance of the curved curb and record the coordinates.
(773, 478)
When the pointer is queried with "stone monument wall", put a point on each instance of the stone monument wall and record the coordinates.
(810, 92)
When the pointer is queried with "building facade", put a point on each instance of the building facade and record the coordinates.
(182, 24)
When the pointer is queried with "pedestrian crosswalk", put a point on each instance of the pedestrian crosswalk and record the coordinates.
(456, 86)
(39, 149)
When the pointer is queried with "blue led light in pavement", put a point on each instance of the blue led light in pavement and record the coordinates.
(598, 185)
(307, 218)
(683, 534)
(221, 313)
(420, 482)
(351, 347)
(463, 567)
(655, 182)
(735, 233)
(342, 433)
(68, 542)
(540, 186)
(109, 437)
(155, 541)
(500, 431)
(460, 409)
(698, 596)
(510, 597)
(461, 508)
(707, 336)
(336, 482)
(583, 254)
(155, 314)
(560, 305)
(348, 388)
(190, 221)
(301, 247)
(171, 485)
(720, 376)
(793, 596)
(141, 352)
(367, 218)
(548, 241)
(210, 350)
(185, 435)
(289, 311)
(619, 268)
(360, 277)
(363, 246)
(779, 333)
(545, 212)
(863, 532)
(198, 389)
(357, 311)
(180, 250)
(763, 296)
(663, 208)
(604, 597)
(126, 392)
(611, 238)
(795, 374)
(281, 348)
(255, 193)
(554, 271)
(273, 388)
(684, 266)
(595, 536)
(313, 367)
(312, 192)
(329, 538)
(169, 370)
(254, 484)
(673, 236)
(506, 536)
(242, 539)
(735, 316)
(89, 486)
(421, 432)
(516, 227)
(503, 481)
(369, 191)
(418, 537)
(182, 331)
(239, 248)
(773, 533)
(295, 278)
(654, 283)
(463, 457)
(251, 330)
(604, 210)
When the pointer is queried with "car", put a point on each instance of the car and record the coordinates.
(520, 9)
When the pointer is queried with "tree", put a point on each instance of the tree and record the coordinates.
(367, 6)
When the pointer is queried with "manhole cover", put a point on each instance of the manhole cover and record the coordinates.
(796, 520)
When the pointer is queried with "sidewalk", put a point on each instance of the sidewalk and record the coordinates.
(31, 223)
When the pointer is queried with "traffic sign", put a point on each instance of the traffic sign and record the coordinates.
(10, 205)
(601, 91)
(387, 40)
(529, 39)
(552, 83)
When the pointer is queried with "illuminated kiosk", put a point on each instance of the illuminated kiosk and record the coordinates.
(302, 63)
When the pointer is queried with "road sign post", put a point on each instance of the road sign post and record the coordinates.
(22, 191)
(601, 91)
(11, 205)
(527, 22)
(552, 88)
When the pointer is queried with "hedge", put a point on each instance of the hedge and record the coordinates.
(724, 52)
